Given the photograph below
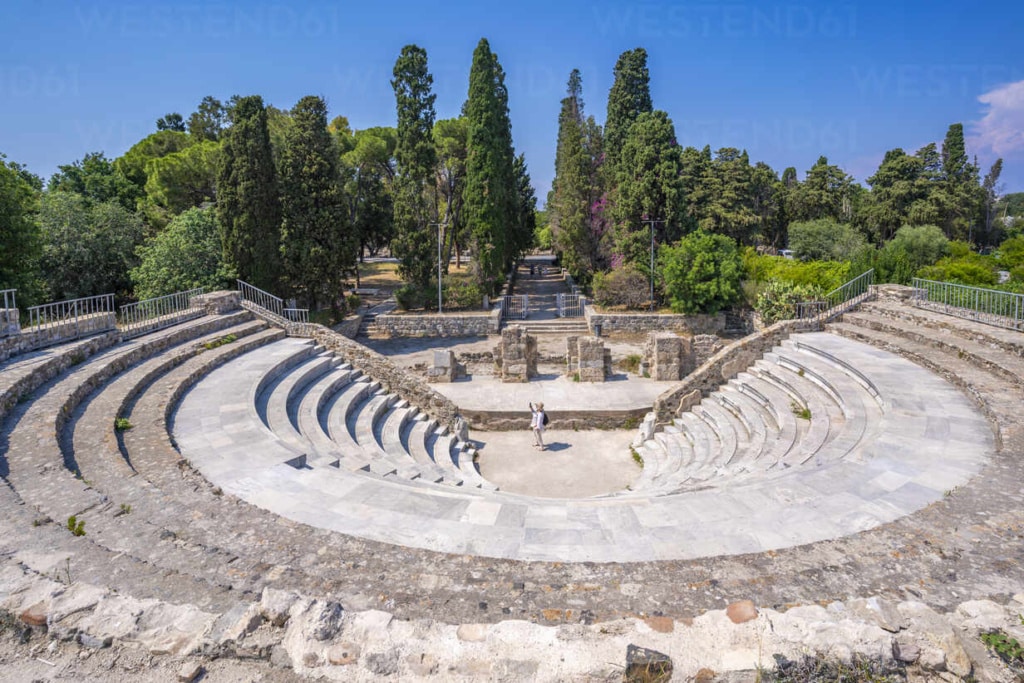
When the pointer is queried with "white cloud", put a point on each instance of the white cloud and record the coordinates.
(1001, 130)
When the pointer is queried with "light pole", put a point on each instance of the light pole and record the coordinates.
(440, 241)
(651, 223)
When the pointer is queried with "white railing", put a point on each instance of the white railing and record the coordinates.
(257, 297)
(8, 312)
(149, 315)
(988, 306)
(73, 317)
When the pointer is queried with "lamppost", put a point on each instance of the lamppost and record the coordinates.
(440, 241)
(651, 223)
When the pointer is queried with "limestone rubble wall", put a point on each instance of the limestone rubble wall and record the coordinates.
(439, 325)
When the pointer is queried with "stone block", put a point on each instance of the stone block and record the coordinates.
(515, 356)
(218, 303)
(668, 356)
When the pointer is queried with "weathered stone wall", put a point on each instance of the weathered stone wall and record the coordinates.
(641, 323)
(668, 356)
(720, 368)
(587, 357)
(439, 325)
(218, 303)
(349, 326)
(396, 380)
(898, 293)
(9, 322)
(705, 346)
(84, 326)
(515, 356)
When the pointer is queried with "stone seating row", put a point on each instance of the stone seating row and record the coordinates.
(799, 406)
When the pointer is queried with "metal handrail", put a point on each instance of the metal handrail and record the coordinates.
(67, 318)
(296, 315)
(10, 303)
(260, 298)
(988, 306)
(838, 301)
(157, 313)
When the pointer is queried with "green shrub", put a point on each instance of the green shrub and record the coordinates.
(630, 363)
(409, 297)
(922, 244)
(701, 273)
(353, 302)
(122, 424)
(970, 270)
(626, 286)
(826, 275)
(462, 294)
(777, 301)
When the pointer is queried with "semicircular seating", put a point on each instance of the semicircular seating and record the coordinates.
(358, 460)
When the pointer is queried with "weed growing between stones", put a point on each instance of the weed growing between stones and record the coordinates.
(575, 377)
(1006, 648)
(631, 423)
(76, 526)
(10, 622)
(76, 358)
(637, 458)
(122, 424)
(227, 339)
(819, 669)
(800, 411)
(630, 363)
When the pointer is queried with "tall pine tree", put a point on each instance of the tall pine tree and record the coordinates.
(248, 203)
(490, 189)
(317, 244)
(415, 194)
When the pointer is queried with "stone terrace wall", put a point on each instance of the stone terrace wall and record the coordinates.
(723, 366)
(85, 326)
(641, 323)
(440, 325)
(897, 293)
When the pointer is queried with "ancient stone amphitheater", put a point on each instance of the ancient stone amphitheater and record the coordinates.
(254, 498)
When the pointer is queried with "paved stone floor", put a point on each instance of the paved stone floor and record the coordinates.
(576, 464)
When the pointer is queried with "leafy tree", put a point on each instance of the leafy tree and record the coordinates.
(415, 158)
(317, 244)
(490, 189)
(248, 202)
(88, 247)
(728, 183)
(824, 240)
(133, 164)
(923, 245)
(368, 170)
(626, 286)
(897, 187)
(97, 179)
(185, 255)
(779, 298)
(179, 181)
(629, 97)
(649, 187)
(208, 121)
(701, 273)
(172, 121)
(19, 232)
(451, 142)
(826, 192)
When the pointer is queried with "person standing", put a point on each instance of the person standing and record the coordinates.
(538, 420)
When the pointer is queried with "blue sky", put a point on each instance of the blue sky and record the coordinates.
(788, 81)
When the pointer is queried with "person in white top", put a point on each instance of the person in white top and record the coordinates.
(537, 421)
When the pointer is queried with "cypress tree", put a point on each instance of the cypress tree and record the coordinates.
(415, 201)
(526, 207)
(572, 187)
(248, 203)
(490, 189)
(629, 97)
(316, 241)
